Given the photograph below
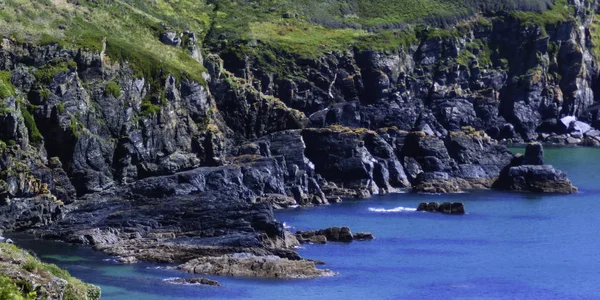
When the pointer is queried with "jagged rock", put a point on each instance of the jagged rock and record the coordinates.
(522, 175)
(194, 281)
(277, 201)
(332, 234)
(170, 38)
(249, 265)
(449, 208)
(539, 179)
(534, 154)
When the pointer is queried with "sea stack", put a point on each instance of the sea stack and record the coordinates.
(528, 173)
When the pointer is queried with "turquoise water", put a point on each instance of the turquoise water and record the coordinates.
(508, 246)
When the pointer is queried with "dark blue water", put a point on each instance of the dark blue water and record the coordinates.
(508, 246)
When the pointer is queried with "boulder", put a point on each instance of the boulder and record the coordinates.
(363, 236)
(566, 121)
(170, 38)
(580, 127)
(449, 208)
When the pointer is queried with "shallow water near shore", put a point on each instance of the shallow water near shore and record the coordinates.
(508, 246)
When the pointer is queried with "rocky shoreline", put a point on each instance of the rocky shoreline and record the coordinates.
(174, 170)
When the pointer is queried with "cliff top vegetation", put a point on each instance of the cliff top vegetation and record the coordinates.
(305, 28)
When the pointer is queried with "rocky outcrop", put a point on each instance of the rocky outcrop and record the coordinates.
(157, 166)
(454, 208)
(332, 234)
(460, 161)
(249, 265)
(528, 173)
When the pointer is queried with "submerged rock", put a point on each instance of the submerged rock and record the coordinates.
(449, 208)
(363, 236)
(194, 281)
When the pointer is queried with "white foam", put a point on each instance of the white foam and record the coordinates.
(286, 226)
(393, 210)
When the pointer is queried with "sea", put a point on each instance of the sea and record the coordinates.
(507, 246)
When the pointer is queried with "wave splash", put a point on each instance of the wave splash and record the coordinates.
(393, 210)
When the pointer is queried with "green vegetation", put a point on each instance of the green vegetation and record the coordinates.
(10, 291)
(595, 34)
(113, 89)
(149, 108)
(46, 73)
(18, 260)
(6, 87)
(35, 137)
(559, 12)
(271, 34)
(478, 50)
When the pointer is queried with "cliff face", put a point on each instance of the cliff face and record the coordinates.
(120, 154)
(509, 76)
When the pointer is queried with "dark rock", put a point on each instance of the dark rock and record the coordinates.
(522, 175)
(363, 236)
(194, 281)
(170, 38)
(534, 154)
(454, 208)
(538, 179)
(332, 234)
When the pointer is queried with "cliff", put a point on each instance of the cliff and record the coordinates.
(130, 125)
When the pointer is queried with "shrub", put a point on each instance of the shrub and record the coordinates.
(113, 89)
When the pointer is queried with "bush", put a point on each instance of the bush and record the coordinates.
(112, 89)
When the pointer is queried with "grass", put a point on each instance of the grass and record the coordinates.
(254, 30)
(131, 27)
(46, 73)
(10, 289)
(595, 34)
(112, 89)
(35, 137)
(6, 87)
(559, 12)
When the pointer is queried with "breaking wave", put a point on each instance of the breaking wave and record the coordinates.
(393, 210)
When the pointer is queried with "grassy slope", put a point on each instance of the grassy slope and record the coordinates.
(132, 27)
(22, 268)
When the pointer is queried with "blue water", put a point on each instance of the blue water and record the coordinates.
(508, 246)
